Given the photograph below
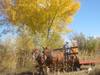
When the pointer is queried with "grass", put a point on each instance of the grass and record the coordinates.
(83, 72)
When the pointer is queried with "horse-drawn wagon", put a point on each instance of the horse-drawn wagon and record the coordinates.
(55, 60)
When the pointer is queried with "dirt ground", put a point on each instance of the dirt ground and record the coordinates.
(82, 72)
(72, 73)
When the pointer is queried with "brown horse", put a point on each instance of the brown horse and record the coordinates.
(54, 59)
(38, 57)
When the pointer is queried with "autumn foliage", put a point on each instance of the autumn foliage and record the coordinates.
(45, 22)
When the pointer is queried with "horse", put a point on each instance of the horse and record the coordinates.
(54, 59)
(73, 64)
(38, 57)
(75, 57)
(76, 63)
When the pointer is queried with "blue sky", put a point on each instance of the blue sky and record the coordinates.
(87, 19)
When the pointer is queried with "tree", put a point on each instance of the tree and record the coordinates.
(24, 47)
(87, 44)
(91, 45)
(7, 56)
(98, 43)
(42, 16)
(81, 39)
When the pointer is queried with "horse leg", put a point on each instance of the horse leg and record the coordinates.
(45, 70)
(41, 72)
(76, 63)
(52, 68)
(63, 66)
(57, 67)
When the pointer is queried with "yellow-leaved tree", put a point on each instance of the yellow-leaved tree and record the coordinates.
(45, 17)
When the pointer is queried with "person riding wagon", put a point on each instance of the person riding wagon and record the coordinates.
(74, 48)
(67, 51)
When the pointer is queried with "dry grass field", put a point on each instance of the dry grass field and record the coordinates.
(82, 72)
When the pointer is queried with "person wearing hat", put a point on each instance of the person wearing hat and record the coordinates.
(67, 51)
(75, 47)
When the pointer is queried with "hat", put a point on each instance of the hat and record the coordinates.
(67, 42)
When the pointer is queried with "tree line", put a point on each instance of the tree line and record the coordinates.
(89, 44)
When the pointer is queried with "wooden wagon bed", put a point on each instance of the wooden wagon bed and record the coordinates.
(89, 62)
